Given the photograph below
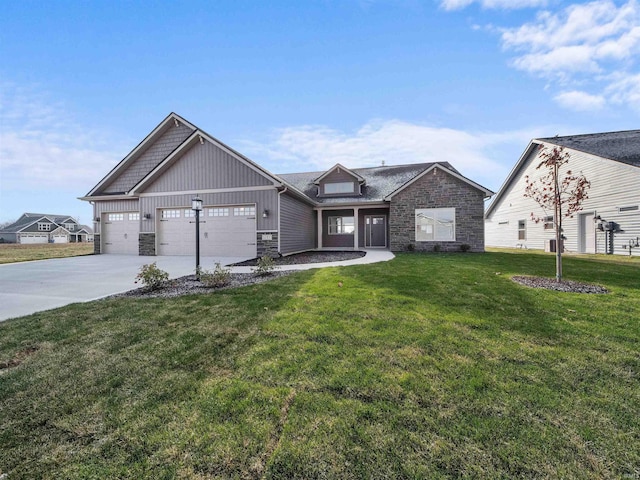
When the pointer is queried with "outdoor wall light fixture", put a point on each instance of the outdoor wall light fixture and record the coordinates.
(147, 216)
(265, 214)
(97, 219)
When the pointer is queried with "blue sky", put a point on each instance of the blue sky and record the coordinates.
(302, 85)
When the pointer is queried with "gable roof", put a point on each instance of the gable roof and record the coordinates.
(338, 166)
(380, 183)
(619, 146)
(28, 219)
(172, 118)
(623, 147)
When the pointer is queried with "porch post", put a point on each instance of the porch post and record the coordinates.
(357, 225)
(319, 228)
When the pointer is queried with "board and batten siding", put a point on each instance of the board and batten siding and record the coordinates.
(613, 185)
(150, 158)
(297, 225)
(206, 166)
(114, 206)
(263, 199)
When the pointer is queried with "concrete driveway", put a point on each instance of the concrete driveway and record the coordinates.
(30, 287)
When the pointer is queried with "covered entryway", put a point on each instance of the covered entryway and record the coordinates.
(30, 238)
(120, 232)
(587, 229)
(375, 231)
(226, 230)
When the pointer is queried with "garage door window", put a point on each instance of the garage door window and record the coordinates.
(171, 214)
(116, 217)
(218, 212)
(188, 213)
(244, 211)
(134, 216)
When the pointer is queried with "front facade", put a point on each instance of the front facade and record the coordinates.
(610, 218)
(33, 228)
(143, 206)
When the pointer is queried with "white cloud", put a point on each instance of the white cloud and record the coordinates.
(580, 101)
(477, 155)
(42, 147)
(625, 90)
(498, 4)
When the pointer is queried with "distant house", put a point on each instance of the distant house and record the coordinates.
(143, 206)
(45, 228)
(610, 219)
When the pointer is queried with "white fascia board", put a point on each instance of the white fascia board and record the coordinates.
(195, 137)
(487, 192)
(347, 206)
(132, 155)
(338, 165)
(38, 220)
(108, 197)
(512, 175)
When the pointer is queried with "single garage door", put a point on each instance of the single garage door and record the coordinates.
(120, 232)
(34, 238)
(225, 231)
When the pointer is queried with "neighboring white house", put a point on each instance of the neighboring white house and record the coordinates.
(45, 228)
(610, 219)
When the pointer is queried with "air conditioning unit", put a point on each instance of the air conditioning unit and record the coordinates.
(550, 245)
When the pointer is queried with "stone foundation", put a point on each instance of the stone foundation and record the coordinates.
(96, 243)
(267, 243)
(147, 244)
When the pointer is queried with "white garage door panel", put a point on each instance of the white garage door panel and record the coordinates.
(120, 233)
(60, 239)
(35, 238)
(219, 236)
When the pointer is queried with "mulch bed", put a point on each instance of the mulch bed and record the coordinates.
(307, 257)
(563, 286)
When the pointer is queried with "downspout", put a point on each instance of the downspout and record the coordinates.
(279, 217)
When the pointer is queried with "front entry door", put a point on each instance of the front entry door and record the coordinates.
(587, 233)
(375, 231)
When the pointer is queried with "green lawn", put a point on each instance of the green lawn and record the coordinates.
(429, 366)
(13, 252)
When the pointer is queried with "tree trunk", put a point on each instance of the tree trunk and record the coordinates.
(558, 222)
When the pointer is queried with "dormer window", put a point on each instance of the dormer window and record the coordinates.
(338, 187)
(70, 226)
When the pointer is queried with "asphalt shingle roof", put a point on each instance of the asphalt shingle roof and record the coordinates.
(619, 146)
(379, 182)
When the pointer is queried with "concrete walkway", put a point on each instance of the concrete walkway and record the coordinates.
(30, 287)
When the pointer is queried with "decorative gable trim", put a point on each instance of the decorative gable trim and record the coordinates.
(339, 167)
(37, 220)
(199, 136)
(488, 193)
(172, 118)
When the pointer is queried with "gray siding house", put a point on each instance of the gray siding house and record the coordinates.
(45, 228)
(143, 206)
(610, 219)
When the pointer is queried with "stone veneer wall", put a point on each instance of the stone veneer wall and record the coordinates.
(147, 244)
(96, 244)
(439, 190)
(265, 245)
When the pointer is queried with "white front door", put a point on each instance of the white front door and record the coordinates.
(587, 229)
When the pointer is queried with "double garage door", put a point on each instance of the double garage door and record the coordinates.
(225, 231)
(34, 238)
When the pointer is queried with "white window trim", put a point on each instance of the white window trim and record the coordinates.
(435, 213)
(44, 227)
(523, 229)
(337, 185)
(340, 225)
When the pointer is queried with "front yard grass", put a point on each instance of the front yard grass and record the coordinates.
(428, 366)
(13, 252)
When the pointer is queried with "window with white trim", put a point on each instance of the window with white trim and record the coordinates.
(341, 225)
(548, 223)
(244, 211)
(44, 227)
(435, 224)
(115, 217)
(70, 226)
(218, 212)
(170, 213)
(338, 187)
(522, 229)
(134, 217)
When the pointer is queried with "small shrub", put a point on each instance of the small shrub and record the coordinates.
(465, 247)
(219, 277)
(151, 276)
(411, 247)
(265, 266)
(436, 247)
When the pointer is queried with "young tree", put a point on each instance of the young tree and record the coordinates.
(557, 190)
